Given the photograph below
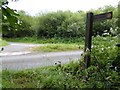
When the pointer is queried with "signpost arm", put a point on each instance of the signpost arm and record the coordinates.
(88, 38)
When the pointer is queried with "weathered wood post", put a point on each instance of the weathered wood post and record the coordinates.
(88, 38)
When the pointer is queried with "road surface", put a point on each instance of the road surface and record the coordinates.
(17, 48)
(33, 60)
(38, 60)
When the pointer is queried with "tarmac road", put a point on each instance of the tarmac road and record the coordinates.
(34, 60)
(28, 61)
(18, 47)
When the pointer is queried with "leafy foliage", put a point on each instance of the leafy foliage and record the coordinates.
(12, 23)
(60, 24)
(25, 25)
(107, 26)
(9, 18)
(56, 24)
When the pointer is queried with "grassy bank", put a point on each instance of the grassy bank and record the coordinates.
(69, 76)
(58, 47)
(47, 77)
(58, 77)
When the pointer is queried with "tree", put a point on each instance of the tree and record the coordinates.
(61, 24)
(25, 25)
(8, 18)
(8, 15)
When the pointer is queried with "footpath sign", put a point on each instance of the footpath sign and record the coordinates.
(103, 16)
(88, 37)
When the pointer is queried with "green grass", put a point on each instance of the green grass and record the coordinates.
(53, 44)
(72, 75)
(47, 77)
(25, 79)
(3, 43)
(58, 47)
(47, 40)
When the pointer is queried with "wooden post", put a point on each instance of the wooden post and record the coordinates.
(88, 38)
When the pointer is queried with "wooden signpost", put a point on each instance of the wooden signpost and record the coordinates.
(88, 37)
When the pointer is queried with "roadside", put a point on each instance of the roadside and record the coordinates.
(24, 48)
(17, 48)
(19, 56)
(3, 43)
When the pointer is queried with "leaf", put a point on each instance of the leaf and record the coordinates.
(11, 11)
(10, 15)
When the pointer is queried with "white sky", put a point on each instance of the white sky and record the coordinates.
(34, 7)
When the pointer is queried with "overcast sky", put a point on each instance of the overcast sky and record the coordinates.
(33, 7)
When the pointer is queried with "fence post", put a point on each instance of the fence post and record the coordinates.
(88, 38)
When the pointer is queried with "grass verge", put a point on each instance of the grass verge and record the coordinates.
(3, 43)
(60, 77)
(46, 77)
(57, 47)
(47, 40)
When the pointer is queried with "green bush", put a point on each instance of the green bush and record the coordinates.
(60, 24)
